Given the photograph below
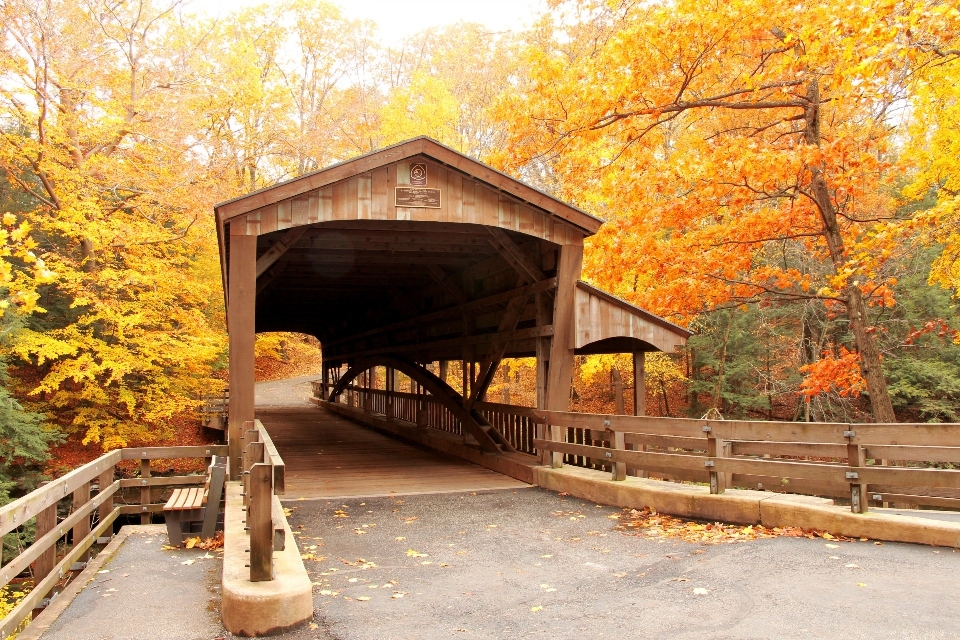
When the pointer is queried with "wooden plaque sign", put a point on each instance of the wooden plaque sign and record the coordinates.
(417, 197)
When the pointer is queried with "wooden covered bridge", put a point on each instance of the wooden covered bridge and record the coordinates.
(411, 257)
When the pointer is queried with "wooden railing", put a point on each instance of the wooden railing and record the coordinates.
(517, 424)
(833, 459)
(60, 543)
(263, 482)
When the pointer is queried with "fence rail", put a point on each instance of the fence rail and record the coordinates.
(60, 543)
(264, 480)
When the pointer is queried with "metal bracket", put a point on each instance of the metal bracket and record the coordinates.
(852, 475)
(707, 429)
(608, 454)
(606, 422)
(877, 496)
(849, 434)
(708, 463)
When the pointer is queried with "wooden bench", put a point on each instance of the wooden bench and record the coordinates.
(195, 504)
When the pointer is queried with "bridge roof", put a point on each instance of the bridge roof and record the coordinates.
(418, 251)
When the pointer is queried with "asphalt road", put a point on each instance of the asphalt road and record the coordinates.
(531, 563)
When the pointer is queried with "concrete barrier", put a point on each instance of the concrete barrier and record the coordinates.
(743, 506)
(260, 608)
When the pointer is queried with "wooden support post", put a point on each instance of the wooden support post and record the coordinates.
(727, 450)
(544, 318)
(444, 365)
(560, 373)
(260, 522)
(105, 480)
(391, 385)
(617, 392)
(241, 313)
(639, 384)
(145, 515)
(616, 439)
(325, 387)
(80, 530)
(858, 492)
(718, 481)
(639, 396)
(44, 564)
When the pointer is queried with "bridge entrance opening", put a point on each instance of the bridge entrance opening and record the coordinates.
(409, 258)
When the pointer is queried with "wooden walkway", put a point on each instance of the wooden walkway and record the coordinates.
(327, 456)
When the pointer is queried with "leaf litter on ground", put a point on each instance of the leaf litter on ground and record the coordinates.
(647, 522)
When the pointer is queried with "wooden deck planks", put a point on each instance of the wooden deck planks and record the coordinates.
(327, 456)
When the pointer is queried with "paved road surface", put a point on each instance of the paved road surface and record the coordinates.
(492, 558)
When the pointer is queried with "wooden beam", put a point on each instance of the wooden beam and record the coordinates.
(279, 248)
(639, 384)
(447, 284)
(267, 278)
(515, 256)
(454, 311)
(482, 339)
(495, 354)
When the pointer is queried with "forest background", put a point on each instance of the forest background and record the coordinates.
(781, 177)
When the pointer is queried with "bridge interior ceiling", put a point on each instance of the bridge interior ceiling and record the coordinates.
(422, 290)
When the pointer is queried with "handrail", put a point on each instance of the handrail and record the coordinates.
(90, 518)
(263, 480)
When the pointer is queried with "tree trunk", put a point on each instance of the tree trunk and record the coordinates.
(880, 404)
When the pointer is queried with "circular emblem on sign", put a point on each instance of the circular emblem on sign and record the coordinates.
(418, 174)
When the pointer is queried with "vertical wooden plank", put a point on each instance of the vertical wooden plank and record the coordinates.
(544, 318)
(299, 211)
(145, 516)
(44, 564)
(718, 482)
(560, 373)
(325, 196)
(313, 207)
(364, 196)
(454, 197)
(260, 522)
(241, 309)
(80, 530)
(252, 224)
(489, 207)
(339, 203)
(268, 219)
(380, 193)
(285, 214)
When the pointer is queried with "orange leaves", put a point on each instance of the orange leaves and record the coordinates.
(650, 524)
(832, 374)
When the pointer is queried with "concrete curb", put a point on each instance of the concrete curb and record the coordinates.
(746, 507)
(260, 608)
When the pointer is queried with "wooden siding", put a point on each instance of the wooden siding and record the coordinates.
(598, 318)
(370, 196)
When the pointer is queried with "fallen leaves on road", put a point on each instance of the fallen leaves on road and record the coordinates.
(647, 522)
(417, 554)
(340, 513)
(536, 609)
(210, 544)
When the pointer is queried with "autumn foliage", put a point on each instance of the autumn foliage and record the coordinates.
(781, 177)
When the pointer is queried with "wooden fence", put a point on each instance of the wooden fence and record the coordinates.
(60, 541)
(864, 463)
(263, 481)
(861, 462)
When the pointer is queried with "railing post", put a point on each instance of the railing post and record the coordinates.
(46, 522)
(260, 521)
(618, 440)
(80, 530)
(252, 454)
(145, 515)
(556, 435)
(105, 480)
(856, 458)
(718, 481)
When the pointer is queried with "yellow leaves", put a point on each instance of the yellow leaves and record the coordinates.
(416, 554)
